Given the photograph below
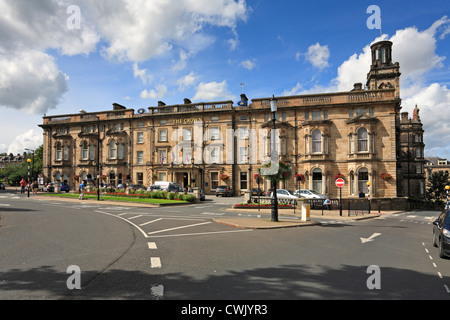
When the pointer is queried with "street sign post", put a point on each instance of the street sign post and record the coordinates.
(340, 183)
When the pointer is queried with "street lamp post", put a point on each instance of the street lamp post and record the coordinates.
(368, 193)
(98, 158)
(28, 187)
(32, 163)
(274, 157)
(446, 189)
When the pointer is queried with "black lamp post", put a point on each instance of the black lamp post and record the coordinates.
(273, 158)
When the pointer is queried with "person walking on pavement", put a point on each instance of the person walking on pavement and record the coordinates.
(82, 186)
(23, 184)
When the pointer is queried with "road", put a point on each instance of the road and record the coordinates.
(179, 253)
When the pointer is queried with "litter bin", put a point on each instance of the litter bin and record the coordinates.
(305, 211)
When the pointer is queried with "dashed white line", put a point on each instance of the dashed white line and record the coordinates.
(152, 245)
(155, 262)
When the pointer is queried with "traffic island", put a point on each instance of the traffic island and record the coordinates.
(256, 223)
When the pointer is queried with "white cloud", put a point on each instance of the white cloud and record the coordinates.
(142, 74)
(187, 81)
(181, 63)
(249, 64)
(30, 81)
(150, 28)
(31, 139)
(212, 91)
(317, 55)
(159, 93)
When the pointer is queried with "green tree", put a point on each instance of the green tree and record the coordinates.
(15, 173)
(437, 182)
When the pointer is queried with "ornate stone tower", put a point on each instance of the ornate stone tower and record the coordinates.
(383, 73)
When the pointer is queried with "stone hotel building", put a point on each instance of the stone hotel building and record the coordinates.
(360, 135)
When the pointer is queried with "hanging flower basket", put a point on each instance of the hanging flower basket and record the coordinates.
(299, 177)
(103, 177)
(339, 175)
(223, 177)
(283, 174)
(75, 177)
(386, 176)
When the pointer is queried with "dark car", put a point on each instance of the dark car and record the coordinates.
(224, 191)
(2, 186)
(137, 187)
(257, 192)
(441, 234)
(65, 187)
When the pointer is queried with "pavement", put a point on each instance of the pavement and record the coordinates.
(252, 218)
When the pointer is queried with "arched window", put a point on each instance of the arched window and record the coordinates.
(363, 178)
(113, 149)
(316, 141)
(112, 178)
(317, 180)
(363, 145)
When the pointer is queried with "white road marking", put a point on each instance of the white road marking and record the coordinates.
(116, 216)
(182, 227)
(152, 245)
(200, 233)
(148, 222)
(135, 217)
(155, 262)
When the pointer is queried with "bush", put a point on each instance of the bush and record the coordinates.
(189, 198)
(171, 195)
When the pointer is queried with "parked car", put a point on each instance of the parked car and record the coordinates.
(257, 192)
(137, 187)
(310, 194)
(65, 187)
(224, 191)
(441, 234)
(153, 187)
(50, 187)
(284, 194)
(2, 186)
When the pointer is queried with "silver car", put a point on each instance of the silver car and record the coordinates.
(309, 194)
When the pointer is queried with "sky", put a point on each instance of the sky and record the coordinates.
(61, 56)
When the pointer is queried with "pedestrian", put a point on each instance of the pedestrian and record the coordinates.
(82, 186)
(23, 184)
(35, 187)
(327, 203)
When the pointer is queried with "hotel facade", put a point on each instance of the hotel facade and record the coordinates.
(360, 135)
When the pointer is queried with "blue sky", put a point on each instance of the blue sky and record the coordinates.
(139, 52)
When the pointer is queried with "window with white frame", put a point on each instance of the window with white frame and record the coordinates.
(316, 138)
(84, 151)
(66, 153)
(140, 137)
(187, 134)
(120, 151)
(113, 149)
(363, 145)
(58, 152)
(214, 156)
(140, 157)
(162, 156)
(243, 154)
(244, 180)
(215, 135)
(91, 152)
(162, 135)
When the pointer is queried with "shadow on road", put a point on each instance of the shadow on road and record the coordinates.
(290, 282)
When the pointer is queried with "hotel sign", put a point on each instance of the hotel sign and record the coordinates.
(187, 121)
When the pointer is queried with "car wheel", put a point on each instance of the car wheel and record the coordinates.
(441, 249)
(434, 240)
